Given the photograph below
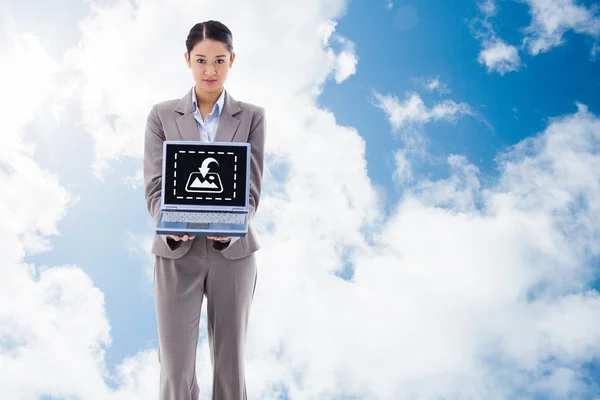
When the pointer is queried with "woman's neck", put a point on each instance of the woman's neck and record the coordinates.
(205, 99)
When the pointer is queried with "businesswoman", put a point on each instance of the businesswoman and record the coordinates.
(186, 268)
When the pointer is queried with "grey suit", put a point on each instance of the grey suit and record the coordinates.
(185, 272)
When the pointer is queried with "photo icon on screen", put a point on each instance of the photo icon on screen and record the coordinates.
(209, 183)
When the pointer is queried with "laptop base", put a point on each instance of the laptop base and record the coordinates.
(201, 229)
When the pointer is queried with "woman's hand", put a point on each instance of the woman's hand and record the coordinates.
(220, 238)
(185, 238)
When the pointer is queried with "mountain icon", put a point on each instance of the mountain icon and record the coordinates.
(203, 185)
(199, 183)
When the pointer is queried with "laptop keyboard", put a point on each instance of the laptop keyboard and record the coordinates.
(215, 217)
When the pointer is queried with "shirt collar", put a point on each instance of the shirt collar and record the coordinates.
(218, 107)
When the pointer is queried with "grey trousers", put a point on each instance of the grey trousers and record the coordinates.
(179, 289)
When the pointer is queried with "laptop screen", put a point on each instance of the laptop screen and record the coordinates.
(206, 174)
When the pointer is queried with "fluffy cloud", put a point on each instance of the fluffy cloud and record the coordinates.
(500, 57)
(413, 110)
(52, 322)
(403, 170)
(432, 84)
(551, 19)
(435, 84)
(497, 276)
(407, 119)
(496, 54)
(345, 62)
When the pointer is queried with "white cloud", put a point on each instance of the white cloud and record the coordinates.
(488, 7)
(345, 61)
(500, 57)
(432, 84)
(413, 110)
(459, 192)
(403, 171)
(533, 232)
(407, 119)
(435, 84)
(496, 54)
(52, 324)
(140, 247)
(136, 377)
(115, 53)
(20, 78)
(438, 305)
(551, 19)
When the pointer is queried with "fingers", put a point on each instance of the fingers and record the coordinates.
(185, 238)
(220, 238)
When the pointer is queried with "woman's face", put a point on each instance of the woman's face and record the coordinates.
(210, 61)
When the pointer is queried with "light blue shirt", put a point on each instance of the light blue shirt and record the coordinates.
(208, 128)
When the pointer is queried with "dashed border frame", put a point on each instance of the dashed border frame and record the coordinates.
(200, 197)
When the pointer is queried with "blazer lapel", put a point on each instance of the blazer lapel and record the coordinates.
(188, 127)
(186, 123)
(228, 124)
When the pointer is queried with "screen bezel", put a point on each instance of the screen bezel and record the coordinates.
(171, 206)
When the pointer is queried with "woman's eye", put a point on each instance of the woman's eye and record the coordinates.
(218, 61)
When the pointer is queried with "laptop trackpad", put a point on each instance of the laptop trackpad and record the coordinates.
(197, 225)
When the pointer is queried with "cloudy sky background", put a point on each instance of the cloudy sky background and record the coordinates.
(429, 221)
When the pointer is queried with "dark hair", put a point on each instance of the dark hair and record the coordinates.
(213, 30)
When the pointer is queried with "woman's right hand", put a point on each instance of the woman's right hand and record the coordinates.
(177, 238)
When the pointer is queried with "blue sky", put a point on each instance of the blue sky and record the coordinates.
(428, 274)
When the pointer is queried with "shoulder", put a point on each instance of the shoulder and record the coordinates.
(164, 110)
(165, 106)
(250, 108)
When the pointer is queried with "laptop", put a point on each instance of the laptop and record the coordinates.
(205, 188)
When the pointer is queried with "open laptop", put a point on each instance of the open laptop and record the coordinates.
(205, 188)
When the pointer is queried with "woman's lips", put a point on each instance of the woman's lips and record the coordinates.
(210, 81)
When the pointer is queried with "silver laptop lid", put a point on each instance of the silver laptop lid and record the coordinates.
(212, 176)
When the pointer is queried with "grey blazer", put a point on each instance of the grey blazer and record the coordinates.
(174, 120)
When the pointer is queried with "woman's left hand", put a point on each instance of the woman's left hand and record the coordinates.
(220, 238)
